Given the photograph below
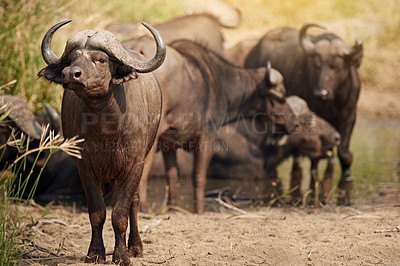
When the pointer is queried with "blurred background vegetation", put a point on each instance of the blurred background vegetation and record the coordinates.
(24, 22)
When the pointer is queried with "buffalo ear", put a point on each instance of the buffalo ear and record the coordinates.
(52, 73)
(123, 74)
(356, 54)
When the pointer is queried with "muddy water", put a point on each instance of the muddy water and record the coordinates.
(376, 169)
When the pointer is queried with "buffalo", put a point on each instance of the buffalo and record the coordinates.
(254, 154)
(315, 138)
(237, 53)
(113, 101)
(322, 70)
(203, 28)
(247, 151)
(59, 179)
(202, 92)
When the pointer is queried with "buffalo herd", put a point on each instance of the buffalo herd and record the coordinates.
(288, 93)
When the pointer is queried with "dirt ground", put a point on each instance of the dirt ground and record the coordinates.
(366, 233)
(363, 234)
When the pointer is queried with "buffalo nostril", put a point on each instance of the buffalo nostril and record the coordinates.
(77, 74)
(296, 128)
(338, 138)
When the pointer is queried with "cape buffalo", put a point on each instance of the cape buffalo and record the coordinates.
(237, 54)
(254, 154)
(321, 69)
(112, 103)
(201, 93)
(314, 138)
(203, 28)
(59, 179)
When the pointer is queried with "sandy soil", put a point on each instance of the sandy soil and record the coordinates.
(363, 234)
(366, 233)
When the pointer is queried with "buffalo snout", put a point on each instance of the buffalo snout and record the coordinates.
(295, 127)
(73, 74)
(323, 94)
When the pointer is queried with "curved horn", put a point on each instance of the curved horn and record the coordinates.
(152, 64)
(48, 55)
(268, 75)
(305, 42)
(273, 79)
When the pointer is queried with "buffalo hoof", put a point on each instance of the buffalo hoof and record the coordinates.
(95, 258)
(121, 258)
(345, 188)
(342, 200)
(135, 251)
(273, 189)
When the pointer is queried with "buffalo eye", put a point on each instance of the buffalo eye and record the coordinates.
(101, 60)
(339, 65)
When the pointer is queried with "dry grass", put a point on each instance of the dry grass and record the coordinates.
(24, 22)
(12, 217)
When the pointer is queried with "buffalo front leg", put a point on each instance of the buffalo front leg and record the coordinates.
(171, 171)
(202, 158)
(135, 246)
(314, 182)
(273, 185)
(126, 187)
(296, 178)
(346, 159)
(97, 214)
(327, 183)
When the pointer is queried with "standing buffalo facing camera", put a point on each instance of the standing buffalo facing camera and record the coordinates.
(112, 103)
(322, 70)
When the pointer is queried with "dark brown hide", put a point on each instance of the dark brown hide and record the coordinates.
(117, 111)
(237, 54)
(201, 93)
(59, 180)
(322, 70)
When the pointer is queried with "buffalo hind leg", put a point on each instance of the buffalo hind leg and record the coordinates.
(296, 179)
(171, 169)
(346, 159)
(135, 246)
(202, 158)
